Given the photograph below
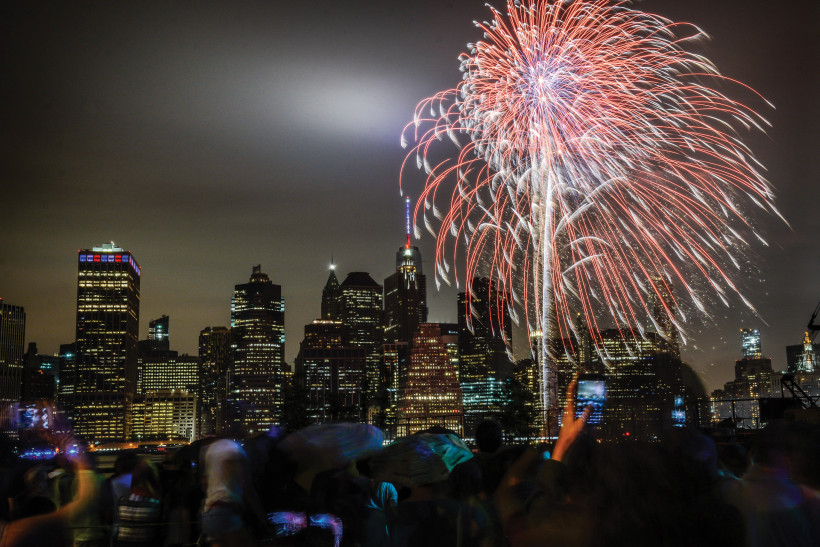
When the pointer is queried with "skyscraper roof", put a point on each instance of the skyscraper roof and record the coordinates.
(360, 279)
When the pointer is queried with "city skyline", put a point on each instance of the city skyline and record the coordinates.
(180, 134)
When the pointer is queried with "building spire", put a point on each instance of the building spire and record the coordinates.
(407, 219)
(330, 296)
(808, 359)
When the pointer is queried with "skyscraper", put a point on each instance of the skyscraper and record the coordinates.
(258, 370)
(67, 376)
(750, 343)
(38, 381)
(333, 373)
(361, 311)
(405, 292)
(331, 297)
(431, 394)
(795, 355)
(808, 359)
(215, 360)
(159, 334)
(482, 351)
(12, 346)
(395, 362)
(105, 370)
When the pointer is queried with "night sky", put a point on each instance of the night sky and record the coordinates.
(207, 137)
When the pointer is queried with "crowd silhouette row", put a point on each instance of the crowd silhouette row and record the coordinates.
(336, 485)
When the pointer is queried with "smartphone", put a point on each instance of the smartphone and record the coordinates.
(591, 392)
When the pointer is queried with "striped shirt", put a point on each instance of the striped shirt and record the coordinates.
(139, 518)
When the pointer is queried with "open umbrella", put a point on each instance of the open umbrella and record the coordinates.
(331, 446)
(419, 459)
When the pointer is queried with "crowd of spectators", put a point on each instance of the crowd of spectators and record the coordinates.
(334, 485)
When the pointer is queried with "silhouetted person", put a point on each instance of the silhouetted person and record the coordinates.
(140, 512)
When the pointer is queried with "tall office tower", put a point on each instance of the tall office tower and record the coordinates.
(105, 373)
(361, 310)
(258, 374)
(68, 370)
(808, 359)
(37, 384)
(12, 346)
(395, 362)
(331, 297)
(483, 361)
(432, 395)
(663, 308)
(333, 373)
(750, 341)
(753, 363)
(405, 292)
(215, 360)
(158, 334)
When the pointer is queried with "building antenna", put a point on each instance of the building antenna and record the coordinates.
(407, 219)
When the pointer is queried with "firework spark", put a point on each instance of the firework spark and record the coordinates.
(598, 167)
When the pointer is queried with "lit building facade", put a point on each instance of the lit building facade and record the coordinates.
(395, 363)
(215, 360)
(333, 373)
(12, 347)
(104, 375)
(484, 327)
(361, 315)
(165, 414)
(431, 394)
(750, 343)
(163, 370)
(259, 374)
(67, 373)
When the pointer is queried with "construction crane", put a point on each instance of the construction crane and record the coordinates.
(813, 327)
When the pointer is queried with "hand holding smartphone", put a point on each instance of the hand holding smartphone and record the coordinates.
(591, 392)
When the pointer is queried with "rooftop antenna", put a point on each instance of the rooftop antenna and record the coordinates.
(407, 219)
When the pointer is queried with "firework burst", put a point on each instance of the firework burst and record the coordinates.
(598, 167)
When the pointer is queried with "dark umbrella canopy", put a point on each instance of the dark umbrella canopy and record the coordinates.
(331, 446)
(419, 459)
